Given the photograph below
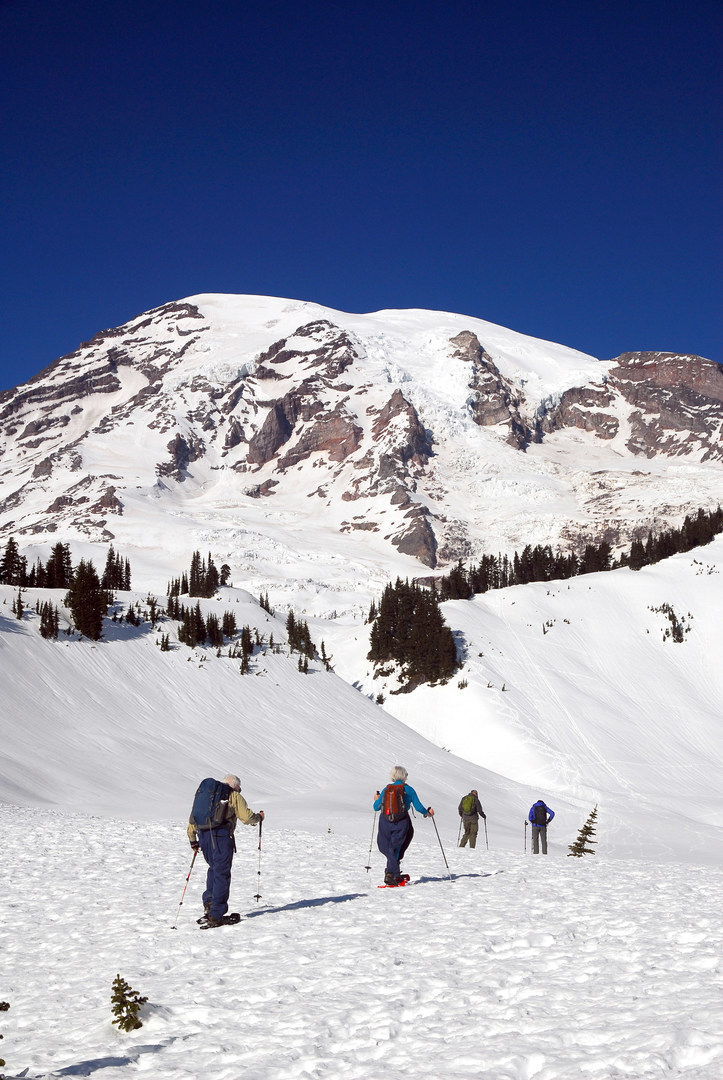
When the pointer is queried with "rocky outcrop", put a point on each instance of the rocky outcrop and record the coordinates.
(493, 400)
(334, 434)
(182, 453)
(400, 430)
(108, 503)
(417, 537)
(582, 407)
(677, 401)
(234, 435)
(273, 433)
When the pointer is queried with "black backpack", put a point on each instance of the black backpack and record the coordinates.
(210, 804)
(540, 814)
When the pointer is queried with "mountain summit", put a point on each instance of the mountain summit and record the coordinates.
(270, 429)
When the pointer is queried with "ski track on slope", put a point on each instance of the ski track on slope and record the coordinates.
(521, 968)
(533, 665)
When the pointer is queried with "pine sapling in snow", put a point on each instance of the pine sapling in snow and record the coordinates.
(4, 1006)
(126, 1004)
(584, 837)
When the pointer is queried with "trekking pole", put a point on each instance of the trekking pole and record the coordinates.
(487, 843)
(442, 849)
(195, 853)
(525, 836)
(257, 896)
(459, 831)
(369, 856)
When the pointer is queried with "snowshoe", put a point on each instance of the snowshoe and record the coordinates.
(209, 923)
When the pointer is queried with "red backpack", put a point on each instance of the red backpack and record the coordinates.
(393, 806)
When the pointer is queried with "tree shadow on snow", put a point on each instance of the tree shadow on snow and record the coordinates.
(85, 1068)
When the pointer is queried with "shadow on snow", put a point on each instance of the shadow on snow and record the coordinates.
(342, 899)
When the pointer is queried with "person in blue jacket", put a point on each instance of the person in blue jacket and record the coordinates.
(395, 825)
(540, 817)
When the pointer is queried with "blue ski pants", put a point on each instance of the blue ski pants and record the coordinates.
(393, 839)
(218, 847)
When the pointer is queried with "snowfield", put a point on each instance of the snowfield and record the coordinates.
(519, 968)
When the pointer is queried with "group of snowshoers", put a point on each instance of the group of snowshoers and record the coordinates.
(219, 805)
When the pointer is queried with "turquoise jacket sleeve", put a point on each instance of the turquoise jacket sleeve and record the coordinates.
(412, 799)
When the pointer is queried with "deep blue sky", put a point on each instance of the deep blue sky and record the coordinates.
(552, 167)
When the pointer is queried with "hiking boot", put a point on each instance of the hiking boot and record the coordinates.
(208, 922)
(390, 879)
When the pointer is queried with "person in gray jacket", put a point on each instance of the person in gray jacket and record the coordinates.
(470, 810)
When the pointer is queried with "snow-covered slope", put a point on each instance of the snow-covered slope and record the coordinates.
(568, 690)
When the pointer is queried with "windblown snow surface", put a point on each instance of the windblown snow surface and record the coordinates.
(492, 963)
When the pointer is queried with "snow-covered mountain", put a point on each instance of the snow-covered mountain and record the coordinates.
(348, 448)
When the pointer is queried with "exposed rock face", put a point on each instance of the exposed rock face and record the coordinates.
(678, 403)
(406, 439)
(108, 503)
(274, 432)
(234, 435)
(182, 453)
(334, 434)
(493, 399)
(418, 539)
(583, 407)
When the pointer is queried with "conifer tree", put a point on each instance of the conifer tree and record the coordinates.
(584, 837)
(13, 565)
(117, 572)
(59, 568)
(49, 621)
(126, 1004)
(214, 634)
(88, 602)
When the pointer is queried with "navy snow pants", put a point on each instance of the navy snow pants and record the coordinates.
(218, 847)
(393, 839)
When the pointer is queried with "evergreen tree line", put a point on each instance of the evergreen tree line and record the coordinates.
(409, 629)
(202, 579)
(540, 563)
(197, 630)
(58, 571)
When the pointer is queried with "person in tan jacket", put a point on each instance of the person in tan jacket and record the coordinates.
(216, 842)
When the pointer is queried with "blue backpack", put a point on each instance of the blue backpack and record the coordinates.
(210, 804)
